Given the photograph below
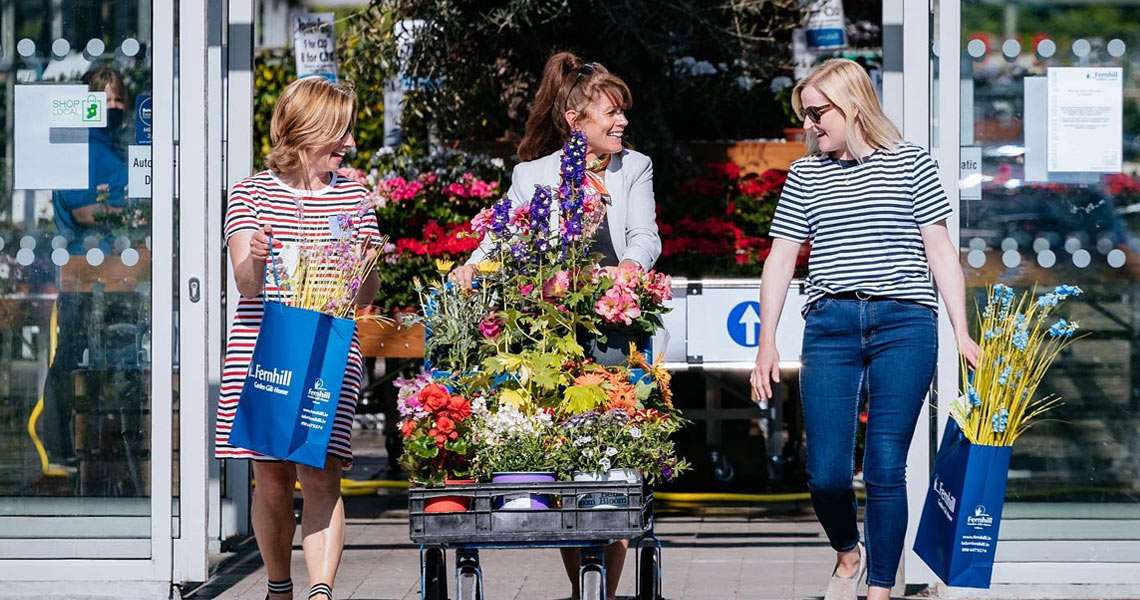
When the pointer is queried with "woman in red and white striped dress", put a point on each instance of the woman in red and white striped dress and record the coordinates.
(298, 200)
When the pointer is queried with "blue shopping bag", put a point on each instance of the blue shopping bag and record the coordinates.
(957, 535)
(288, 402)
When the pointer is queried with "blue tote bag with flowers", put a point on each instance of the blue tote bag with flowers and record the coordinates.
(957, 535)
(289, 399)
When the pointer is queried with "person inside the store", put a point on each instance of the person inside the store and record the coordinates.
(587, 98)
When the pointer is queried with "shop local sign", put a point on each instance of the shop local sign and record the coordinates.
(83, 109)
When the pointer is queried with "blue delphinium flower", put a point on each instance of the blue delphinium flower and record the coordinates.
(1001, 421)
(1004, 376)
(502, 214)
(573, 161)
(973, 397)
(1021, 333)
(1062, 328)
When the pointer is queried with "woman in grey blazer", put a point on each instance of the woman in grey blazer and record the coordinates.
(577, 96)
(587, 98)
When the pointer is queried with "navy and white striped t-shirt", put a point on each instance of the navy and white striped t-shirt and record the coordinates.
(863, 221)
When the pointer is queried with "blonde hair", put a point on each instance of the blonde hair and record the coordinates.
(848, 88)
(311, 112)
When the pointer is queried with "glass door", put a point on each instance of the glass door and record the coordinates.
(85, 288)
(1049, 149)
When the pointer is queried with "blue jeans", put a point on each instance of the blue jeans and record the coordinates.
(884, 350)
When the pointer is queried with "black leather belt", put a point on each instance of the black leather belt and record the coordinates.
(855, 296)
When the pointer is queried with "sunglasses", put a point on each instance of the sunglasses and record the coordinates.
(816, 112)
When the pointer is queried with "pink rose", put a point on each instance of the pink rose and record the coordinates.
(556, 286)
(484, 220)
(491, 327)
(618, 306)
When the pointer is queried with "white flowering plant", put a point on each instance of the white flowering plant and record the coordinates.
(508, 439)
(1019, 342)
(616, 439)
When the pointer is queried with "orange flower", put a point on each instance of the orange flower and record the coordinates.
(623, 398)
(434, 397)
(407, 428)
(589, 379)
(444, 430)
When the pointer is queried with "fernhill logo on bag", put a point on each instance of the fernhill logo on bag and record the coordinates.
(275, 381)
(318, 393)
(980, 518)
(946, 501)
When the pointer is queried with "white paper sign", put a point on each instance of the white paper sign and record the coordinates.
(1086, 107)
(825, 26)
(138, 171)
(46, 158)
(314, 45)
(970, 173)
(77, 108)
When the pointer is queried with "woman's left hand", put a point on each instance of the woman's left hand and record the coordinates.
(970, 350)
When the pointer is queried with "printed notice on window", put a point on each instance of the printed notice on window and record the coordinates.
(1086, 107)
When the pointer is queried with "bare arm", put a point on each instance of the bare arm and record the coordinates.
(947, 271)
(248, 252)
(774, 281)
(366, 294)
(86, 214)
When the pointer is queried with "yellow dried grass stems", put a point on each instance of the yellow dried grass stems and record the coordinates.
(1018, 343)
(328, 276)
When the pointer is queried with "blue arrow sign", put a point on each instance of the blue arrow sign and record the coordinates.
(743, 324)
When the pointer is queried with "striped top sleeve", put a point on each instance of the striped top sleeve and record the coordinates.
(791, 220)
(930, 202)
(241, 214)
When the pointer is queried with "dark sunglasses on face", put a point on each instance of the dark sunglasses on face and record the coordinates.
(815, 113)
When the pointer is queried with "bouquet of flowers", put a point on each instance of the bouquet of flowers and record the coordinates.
(1020, 340)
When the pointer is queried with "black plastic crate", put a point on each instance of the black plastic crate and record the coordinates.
(566, 520)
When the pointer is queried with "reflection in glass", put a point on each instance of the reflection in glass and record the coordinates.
(75, 274)
(1076, 228)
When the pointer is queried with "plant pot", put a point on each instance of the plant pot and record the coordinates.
(449, 503)
(524, 501)
(605, 499)
(615, 350)
(794, 134)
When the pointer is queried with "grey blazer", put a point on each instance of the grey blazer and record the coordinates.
(632, 214)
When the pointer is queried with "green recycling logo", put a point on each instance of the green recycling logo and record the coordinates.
(92, 109)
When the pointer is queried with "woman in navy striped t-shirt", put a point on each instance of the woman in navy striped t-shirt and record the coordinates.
(874, 212)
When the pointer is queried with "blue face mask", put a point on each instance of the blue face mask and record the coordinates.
(114, 119)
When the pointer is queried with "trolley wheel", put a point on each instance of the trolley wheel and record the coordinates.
(434, 575)
(649, 575)
(593, 583)
(468, 577)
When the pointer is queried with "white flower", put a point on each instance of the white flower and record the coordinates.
(611, 451)
(634, 432)
(583, 440)
(497, 162)
(745, 83)
(780, 83)
(605, 464)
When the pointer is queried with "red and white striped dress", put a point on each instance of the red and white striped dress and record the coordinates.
(263, 199)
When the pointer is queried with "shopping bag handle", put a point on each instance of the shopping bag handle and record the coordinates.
(271, 265)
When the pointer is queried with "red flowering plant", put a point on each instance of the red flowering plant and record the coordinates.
(436, 427)
(717, 222)
(425, 205)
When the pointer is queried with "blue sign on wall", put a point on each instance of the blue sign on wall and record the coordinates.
(143, 120)
(743, 324)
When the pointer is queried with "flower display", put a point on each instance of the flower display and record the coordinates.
(434, 424)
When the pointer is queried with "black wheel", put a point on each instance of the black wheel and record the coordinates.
(468, 577)
(434, 575)
(649, 575)
(593, 583)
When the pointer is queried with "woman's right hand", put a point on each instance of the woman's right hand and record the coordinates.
(463, 275)
(259, 243)
(766, 371)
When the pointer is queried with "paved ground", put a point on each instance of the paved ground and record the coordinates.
(736, 555)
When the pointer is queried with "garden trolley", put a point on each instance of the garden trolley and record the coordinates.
(586, 515)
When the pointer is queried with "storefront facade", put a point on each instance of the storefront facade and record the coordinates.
(111, 318)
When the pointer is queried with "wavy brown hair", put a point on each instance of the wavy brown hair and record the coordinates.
(567, 83)
(311, 113)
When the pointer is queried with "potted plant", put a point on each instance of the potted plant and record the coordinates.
(513, 446)
(436, 426)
